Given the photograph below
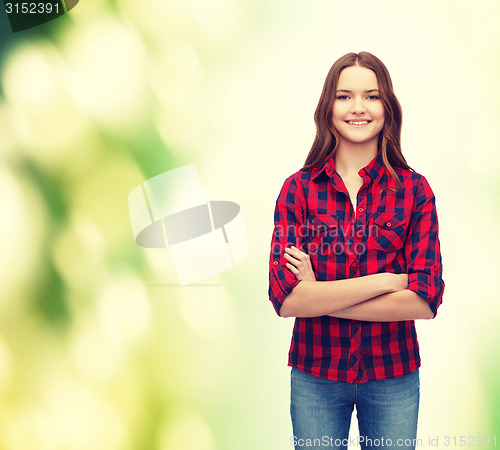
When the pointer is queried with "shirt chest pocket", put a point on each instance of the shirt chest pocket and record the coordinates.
(321, 234)
(388, 231)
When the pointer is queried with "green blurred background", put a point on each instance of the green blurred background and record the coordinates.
(98, 347)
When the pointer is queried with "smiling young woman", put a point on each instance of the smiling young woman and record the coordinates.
(355, 258)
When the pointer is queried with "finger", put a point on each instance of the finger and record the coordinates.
(296, 250)
(299, 254)
(292, 269)
(292, 259)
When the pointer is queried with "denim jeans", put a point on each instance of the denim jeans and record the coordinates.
(387, 412)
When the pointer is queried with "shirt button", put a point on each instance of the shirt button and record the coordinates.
(320, 226)
(275, 263)
(389, 224)
(354, 264)
(361, 209)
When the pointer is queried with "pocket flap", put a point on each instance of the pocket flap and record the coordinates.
(389, 221)
(322, 222)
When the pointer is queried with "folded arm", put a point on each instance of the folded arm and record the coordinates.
(392, 307)
(339, 298)
(319, 298)
(353, 298)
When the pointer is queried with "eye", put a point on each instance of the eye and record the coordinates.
(373, 97)
(342, 97)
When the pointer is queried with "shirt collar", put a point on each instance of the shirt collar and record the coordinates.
(375, 168)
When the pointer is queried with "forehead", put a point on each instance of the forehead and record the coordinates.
(357, 78)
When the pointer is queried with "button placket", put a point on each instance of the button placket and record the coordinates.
(354, 268)
(355, 351)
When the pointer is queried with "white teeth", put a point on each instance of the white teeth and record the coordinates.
(357, 123)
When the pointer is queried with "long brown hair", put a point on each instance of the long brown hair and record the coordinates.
(326, 141)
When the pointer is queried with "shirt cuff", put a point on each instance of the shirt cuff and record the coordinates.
(280, 284)
(428, 287)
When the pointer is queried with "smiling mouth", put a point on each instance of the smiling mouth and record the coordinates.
(358, 123)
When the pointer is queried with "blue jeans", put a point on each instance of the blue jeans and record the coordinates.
(387, 412)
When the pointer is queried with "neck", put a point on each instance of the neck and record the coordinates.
(350, 158)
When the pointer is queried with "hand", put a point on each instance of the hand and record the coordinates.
(299, 264)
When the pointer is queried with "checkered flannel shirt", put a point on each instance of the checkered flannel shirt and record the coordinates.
(389, 231)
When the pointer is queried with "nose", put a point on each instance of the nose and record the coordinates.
(358, 105)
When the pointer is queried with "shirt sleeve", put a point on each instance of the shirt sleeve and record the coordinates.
(288, 223)
(422, 249)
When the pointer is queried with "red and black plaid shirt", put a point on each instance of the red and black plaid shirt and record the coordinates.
(389, 232)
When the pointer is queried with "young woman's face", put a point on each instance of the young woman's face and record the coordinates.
(358, 112)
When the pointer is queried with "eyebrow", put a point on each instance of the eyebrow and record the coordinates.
(348, 91)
